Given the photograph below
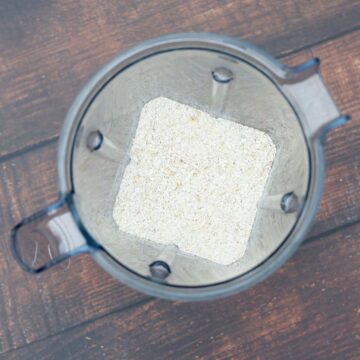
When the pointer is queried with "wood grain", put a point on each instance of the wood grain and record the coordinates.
(308, 310)
(48, 49)
(32, 308)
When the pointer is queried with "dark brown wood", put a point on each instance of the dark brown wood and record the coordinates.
(308, 310)
(55, 300)
(48, 49)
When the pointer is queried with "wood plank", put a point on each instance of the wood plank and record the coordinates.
(308, 310)
(34, 307)
(48, 49)
(55, 300)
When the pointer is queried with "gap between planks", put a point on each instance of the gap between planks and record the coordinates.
(283, 55)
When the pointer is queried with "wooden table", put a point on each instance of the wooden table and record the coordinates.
(309, 309)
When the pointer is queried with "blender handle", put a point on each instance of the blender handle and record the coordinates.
(47, 238)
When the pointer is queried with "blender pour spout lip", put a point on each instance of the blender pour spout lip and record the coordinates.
(314, 105)
(56, 232)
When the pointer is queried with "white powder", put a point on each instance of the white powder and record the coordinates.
(193, 181)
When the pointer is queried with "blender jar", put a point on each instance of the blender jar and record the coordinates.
(224, 77)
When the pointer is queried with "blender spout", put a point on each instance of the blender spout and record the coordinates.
(319, 112)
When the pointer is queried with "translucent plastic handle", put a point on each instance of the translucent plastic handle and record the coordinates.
(47, 238)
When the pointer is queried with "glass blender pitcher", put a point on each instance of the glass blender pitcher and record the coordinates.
(224, 77)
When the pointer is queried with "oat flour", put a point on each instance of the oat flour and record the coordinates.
(193, 181)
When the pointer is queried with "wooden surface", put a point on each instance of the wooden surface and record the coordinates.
(309, 309)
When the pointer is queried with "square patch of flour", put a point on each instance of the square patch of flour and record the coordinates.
(193, 181)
